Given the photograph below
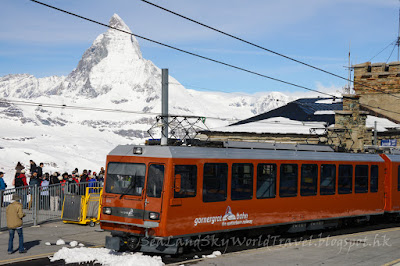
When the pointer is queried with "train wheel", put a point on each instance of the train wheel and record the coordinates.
(133, 243)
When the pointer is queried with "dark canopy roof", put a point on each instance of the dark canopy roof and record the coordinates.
(301, 110)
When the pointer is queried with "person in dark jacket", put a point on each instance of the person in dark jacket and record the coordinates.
(39, 170)
(34, 181)
(18, 169)
(33, 167)
(20, 185)
(54, 180)
(14, 222)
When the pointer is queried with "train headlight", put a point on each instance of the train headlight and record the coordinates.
(154, 216)
(137, 150)
(107, 210)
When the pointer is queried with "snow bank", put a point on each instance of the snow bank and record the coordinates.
(213, 255)
(105, 256)
(60, 242)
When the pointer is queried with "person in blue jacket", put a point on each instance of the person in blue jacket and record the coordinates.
(3, 186)
(92, 183)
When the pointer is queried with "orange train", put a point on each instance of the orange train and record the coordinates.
(179, 192)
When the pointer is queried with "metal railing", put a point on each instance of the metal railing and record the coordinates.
(41, 203)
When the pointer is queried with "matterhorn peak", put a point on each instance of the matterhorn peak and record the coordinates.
(117, 22)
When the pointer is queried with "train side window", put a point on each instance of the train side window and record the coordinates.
(398, 178)
(266, 181)
(361, 179)
(309, 177)
(288, 180)
(215, 178)
(188, 181)
(155, 180)
(328, 179)
(374, 178)
(345, 179)
(242, 181)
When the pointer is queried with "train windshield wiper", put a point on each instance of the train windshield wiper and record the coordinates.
(131, 184)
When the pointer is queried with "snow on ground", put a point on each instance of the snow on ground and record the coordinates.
(60, 242)
(105, 257)
(213, 255)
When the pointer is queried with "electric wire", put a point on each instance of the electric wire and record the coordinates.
(208, 89)
(394, 46)
(382, 51)
(64, 106)
(184, 51)
(265, 49)
(80, 108)
(227, 119)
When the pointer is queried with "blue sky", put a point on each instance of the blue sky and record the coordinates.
(43, 42)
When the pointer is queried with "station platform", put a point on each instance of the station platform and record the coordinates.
(35, 239)
(375, 247)
(378, 247)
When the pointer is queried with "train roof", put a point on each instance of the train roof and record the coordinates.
(393, 158)
(234, 153)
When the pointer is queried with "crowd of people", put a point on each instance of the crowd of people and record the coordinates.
(50, 190)
(74, 183)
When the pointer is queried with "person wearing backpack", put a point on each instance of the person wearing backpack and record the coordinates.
(20, 183)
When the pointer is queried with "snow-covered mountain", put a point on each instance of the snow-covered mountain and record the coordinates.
(113, 74)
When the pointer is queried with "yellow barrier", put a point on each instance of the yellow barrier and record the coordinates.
(90, 207)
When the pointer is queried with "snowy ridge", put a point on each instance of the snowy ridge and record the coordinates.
(113, 74)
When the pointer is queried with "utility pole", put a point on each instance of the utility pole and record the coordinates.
(398, 38)
(349, 78)
(347, 89)
(164, 106)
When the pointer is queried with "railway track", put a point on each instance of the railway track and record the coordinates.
(241, 243)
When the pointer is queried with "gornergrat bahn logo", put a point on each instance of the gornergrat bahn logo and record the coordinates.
(226, 220)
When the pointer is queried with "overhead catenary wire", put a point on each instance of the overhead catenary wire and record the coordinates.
(81, 108)
(184, 51)
(392, 43)
(228, 119)
(394, 46)
(265, 49)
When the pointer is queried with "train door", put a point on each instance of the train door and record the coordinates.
(154, 192)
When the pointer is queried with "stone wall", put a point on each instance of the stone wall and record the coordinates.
(373, 82)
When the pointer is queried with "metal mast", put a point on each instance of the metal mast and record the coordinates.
(398, 37)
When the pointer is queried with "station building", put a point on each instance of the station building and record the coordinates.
(346, 124)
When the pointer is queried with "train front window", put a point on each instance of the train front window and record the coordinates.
(155, 180)
(125, 178)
